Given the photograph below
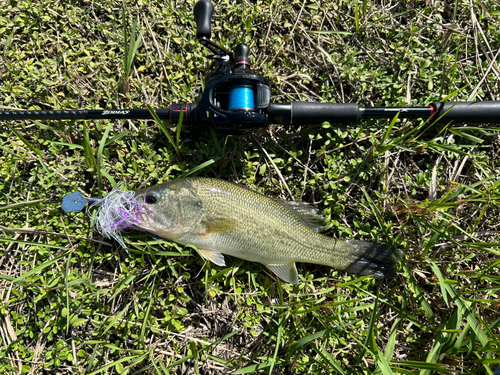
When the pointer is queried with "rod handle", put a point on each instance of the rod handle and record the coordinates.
(301, 113)
(472, 112)
(203, 10)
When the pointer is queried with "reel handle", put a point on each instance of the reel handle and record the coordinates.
(203, 11)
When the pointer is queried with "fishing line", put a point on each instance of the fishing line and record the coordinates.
(241, 98)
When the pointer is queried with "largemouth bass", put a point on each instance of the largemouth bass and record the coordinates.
(220, 217)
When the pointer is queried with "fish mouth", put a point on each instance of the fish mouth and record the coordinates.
(145, 222)
(145, 217)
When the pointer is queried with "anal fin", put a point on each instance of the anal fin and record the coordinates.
(287, 272)
(213, 256)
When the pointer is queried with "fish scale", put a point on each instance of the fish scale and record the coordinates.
(220, 217)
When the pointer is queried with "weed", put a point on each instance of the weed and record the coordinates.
(72, 302)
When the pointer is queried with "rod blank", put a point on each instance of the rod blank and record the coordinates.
(83, 114)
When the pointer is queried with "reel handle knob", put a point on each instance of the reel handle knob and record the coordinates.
(203, 10)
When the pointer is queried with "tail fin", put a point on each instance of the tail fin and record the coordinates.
(374, 259)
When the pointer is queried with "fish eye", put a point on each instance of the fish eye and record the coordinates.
(151, 199)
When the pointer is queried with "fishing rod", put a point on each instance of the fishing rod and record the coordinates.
(237, 100)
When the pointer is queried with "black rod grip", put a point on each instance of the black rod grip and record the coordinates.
(472, 112)
(300, 113)
(203, 10)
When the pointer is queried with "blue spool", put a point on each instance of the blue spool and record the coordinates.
(241, 98)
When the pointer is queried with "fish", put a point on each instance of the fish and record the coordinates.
(222, 218)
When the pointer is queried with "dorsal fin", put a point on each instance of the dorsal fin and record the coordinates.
(310, 216)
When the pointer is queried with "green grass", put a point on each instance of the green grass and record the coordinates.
(73, 302)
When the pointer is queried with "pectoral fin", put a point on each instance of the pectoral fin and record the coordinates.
(219, 226)
(286, 272)
(213, 256)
